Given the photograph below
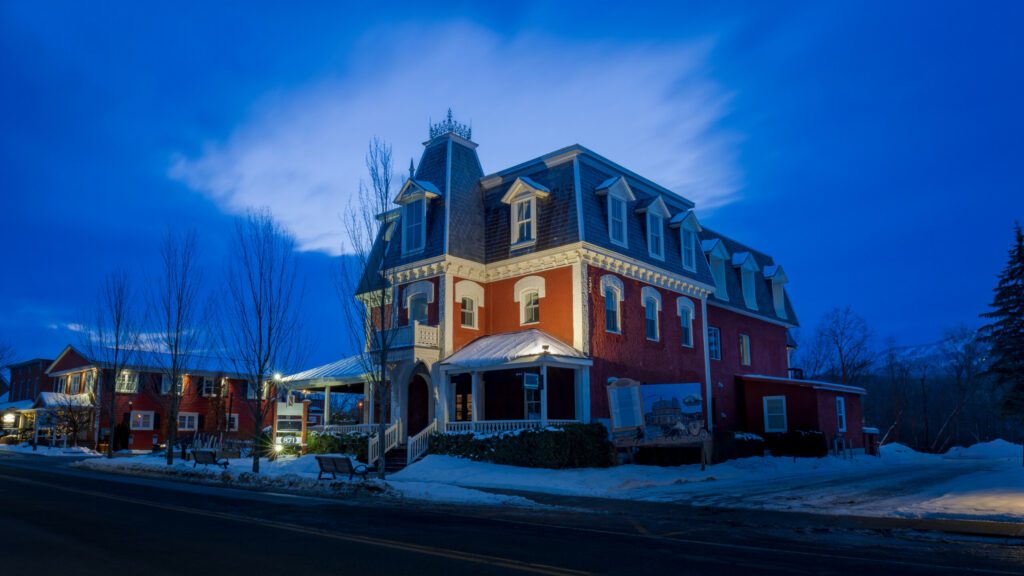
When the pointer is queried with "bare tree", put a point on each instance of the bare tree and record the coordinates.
(365, 280)
(176, 315)
(964, 353)
(113, 342)
(6, 357)
(75, 415)
(260, 328)
(842, 346)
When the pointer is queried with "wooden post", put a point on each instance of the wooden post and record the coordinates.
(477, 408)
(544, 396)
(327, 405)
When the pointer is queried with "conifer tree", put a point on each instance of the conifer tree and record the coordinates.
(1005, 333)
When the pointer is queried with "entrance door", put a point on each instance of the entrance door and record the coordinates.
(419, 410)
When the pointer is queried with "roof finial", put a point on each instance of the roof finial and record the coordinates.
(449, 124)
(411, 171)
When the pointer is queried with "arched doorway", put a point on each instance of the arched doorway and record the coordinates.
(418, 404)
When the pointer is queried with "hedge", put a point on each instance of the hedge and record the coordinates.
(355, 443)
(805, 443)
(566, 446)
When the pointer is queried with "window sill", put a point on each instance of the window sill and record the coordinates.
(529, 323)
(464, 327)
(523, 244)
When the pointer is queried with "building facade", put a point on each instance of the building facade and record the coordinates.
(522, 294)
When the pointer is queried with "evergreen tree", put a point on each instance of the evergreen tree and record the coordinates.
(1005, 333)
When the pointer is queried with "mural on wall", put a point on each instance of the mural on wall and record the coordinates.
(656, 414)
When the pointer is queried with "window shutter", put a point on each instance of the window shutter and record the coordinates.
(199, 423)
(156, 420)
(127, 418)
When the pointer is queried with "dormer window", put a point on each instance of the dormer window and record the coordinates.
(777, 277)
(619, 194)
(413, 229)
(717, 255)
(748, 267)
(413, 199)
(688, 229)
(656, 213)
(522, 198)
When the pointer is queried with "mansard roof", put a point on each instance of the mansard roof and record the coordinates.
(759, 263)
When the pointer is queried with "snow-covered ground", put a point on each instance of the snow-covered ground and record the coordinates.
(298, 474)
(985, 481)
(46, 451)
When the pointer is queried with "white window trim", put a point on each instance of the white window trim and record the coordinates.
(131, 419)
(233, 417)
(779, 299)
(647, 294)
(614, 283)
(785, 414)
(518, 242)
(423, 287)
(202, 387)
(523, 302)
(841, 413)
(683, 231)
(133, 376)
(195, 420)
(406, 209)
(473, 291)
(655, 222)
(685, 303)
(741, 339)
(521, 288)
(624, 242)
(718, 333)
(475, 325)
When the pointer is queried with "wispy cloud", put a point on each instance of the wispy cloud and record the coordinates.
(654, 108)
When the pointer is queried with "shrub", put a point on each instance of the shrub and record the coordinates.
(9, 440)
(803, 443)
(356, 444)
(729, 445)
(568, 446)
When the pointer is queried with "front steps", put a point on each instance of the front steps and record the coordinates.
(395, 460)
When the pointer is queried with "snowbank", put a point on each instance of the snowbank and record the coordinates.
(994, 450)
(47, 451)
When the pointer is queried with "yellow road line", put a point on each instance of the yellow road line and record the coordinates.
(352, 538)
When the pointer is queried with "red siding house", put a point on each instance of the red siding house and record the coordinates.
(523, 294)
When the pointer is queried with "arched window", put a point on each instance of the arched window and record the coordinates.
(528, 292)
(613, 292)
(470, 297)
(417, 298)
(685, 308)
(652, 308)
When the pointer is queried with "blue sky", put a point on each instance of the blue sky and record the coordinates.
(872, 148)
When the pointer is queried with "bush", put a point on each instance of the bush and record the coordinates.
(729, 445)
(568, 446)
(9, 440)
(355, 443)
(803, 443)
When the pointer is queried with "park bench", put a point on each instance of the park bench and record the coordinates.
(335, 465)
(207, 457)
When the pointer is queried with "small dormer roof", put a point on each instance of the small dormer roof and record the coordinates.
(745, 261)
(686, 218)
(523, 184)
(775, 273)
(715, 248)
(656, 206)
(616, 185)
(413, 189)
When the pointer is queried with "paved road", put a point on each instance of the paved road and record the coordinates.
(56, 520)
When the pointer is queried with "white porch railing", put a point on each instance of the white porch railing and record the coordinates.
(414, 335)
(373, 452)
(493, 426)
(419, 443)
(343, 429)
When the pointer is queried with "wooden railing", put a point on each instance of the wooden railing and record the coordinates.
(374, 452)
(420, 443)
(338, 429)
(494, 426)
(414, 335)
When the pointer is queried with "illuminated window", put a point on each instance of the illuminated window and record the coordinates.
(142, 420)
(188, 421)
(744, 350)
(127, 382)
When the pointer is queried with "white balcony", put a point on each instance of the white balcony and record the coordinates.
(415, 335)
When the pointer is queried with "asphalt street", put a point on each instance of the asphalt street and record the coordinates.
(59, 520)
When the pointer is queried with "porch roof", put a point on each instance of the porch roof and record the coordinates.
(18, 405)
(345, 371)
(816, 384)
(515, 349)
(59, 400)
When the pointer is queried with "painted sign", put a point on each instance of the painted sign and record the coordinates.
(656, 414)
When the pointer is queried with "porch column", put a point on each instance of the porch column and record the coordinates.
(327, 405)
(369, 396)
(544, 396)
(477, 406)
(584, 413)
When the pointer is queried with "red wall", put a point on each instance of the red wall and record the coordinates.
(830, 421)
(462, 336)
(29, 379)
(630, 354)
(767, 357)
(807, 408)
(555, 306)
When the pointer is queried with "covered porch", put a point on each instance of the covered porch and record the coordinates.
(514, 381)
(345, 376)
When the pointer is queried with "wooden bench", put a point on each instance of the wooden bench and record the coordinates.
(335, 465)
(207, 457)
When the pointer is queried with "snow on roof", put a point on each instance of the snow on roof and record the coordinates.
(19, 405)
(427, 185)
(816, 384)
(607, 183)
(346, 369)
(522, 347)
(58, 400)
(533, 184)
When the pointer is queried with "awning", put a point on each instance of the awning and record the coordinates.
(515, 349)
(349, 370)
(815, 384)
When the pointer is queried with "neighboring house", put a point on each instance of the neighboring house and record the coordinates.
(523, 293)
(28, 381)
(213, 397)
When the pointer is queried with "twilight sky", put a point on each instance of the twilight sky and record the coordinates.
(872, 148)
